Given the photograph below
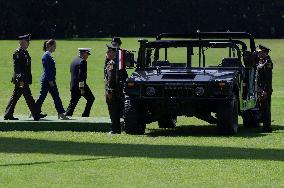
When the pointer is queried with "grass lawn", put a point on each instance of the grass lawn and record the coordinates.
(193, 155)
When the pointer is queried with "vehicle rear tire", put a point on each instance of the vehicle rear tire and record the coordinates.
(134, 118)
(227, 116)
(167, 122)
(250, 120)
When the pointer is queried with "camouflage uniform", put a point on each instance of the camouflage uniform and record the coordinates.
(114, 84)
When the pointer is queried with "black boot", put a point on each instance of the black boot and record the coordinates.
(266, 129)
(39, 116)
(10, 118)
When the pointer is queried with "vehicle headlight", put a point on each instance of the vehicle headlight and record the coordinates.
(199, 91)
(150, 91)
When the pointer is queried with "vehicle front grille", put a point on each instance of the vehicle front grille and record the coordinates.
(178, 91)
(171, 90)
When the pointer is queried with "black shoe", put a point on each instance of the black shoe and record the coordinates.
(42, 115)
(11, 118)
(39, 116)
(267, 129)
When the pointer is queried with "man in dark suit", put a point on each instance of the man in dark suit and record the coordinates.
(22, 78)
(78, 85)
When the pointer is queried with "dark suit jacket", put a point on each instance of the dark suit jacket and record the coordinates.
(78, 70)
(22, 66)
(49, 70)
(264, 79)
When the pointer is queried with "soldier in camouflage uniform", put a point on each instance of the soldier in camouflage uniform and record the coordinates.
(114, 80)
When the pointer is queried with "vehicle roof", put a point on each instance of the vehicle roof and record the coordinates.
(211, 35)
(196, 43)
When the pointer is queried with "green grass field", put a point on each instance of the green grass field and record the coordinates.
(193, 155)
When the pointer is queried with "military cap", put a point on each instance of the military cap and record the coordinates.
(88, 50)
(116, 41)
(26, 37)
(262, 47)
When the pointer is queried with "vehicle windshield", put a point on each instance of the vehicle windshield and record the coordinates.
(197, 57)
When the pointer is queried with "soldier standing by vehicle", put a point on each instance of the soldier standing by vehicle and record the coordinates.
(114, 81)
(22, 78)
(78, 85)
(264, 82)
(115, 42)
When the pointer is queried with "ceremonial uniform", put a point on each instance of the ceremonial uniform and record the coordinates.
(114, 85)
(22, 78)
(78, 70)
(264, 82)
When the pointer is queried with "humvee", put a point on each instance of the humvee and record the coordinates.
(176, 75)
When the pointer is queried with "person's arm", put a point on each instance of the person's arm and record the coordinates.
(18, 69)
(268, 77)
(105, 70)
(48, 69)
(82, 76)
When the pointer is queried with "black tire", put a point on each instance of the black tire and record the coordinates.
(134, 118)
(227, 116)
(250, 120)
(167, 122)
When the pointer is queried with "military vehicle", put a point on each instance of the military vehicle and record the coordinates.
(176, 75)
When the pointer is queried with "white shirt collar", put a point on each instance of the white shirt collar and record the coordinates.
(48, 52)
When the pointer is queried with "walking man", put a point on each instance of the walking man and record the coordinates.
(22, 78)
(78, 84)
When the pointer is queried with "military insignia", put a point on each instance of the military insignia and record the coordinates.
(109, 66)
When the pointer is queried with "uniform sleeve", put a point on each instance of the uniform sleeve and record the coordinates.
(82, 71)
(105, 71)
(124, 75)
(47, 68)
(112, 80)
(17, 67)
(268, 77)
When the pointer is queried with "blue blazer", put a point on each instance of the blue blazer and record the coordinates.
(49, 70)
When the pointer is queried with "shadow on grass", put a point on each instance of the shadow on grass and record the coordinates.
(101, 150)
(58, 161)
(207, 131)
(55, 126)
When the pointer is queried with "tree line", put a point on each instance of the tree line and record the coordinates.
(105, 18)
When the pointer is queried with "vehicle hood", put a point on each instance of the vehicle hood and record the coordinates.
(184, 75)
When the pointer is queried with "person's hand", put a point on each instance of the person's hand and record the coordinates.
(82, 91)
(22, 84)
(51, 83)
(108, 96)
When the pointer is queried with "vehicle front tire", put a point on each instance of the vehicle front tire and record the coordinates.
(227, 116)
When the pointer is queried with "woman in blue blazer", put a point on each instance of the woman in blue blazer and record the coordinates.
(48, 79)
